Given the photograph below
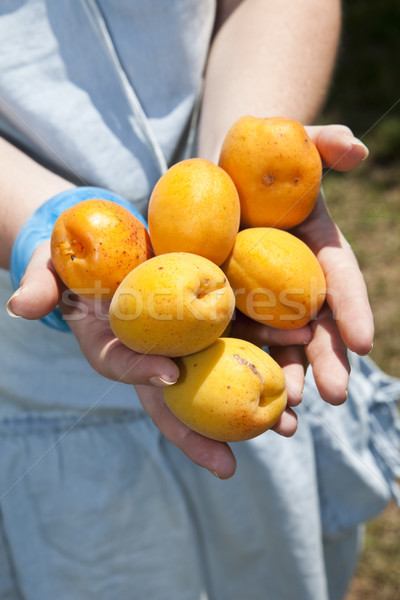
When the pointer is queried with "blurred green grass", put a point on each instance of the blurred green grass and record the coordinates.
(365, 95)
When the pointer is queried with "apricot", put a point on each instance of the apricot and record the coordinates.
(276, 169)
(172, 305)
(195, 208)
(95, 244)
(276, 278)
(231, 391)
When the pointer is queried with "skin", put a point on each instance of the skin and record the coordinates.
(277, 60)
(280, 29)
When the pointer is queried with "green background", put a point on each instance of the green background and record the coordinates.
(365, 95)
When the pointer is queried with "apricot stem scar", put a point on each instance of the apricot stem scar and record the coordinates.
(268, 179)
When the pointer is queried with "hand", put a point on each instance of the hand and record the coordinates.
(41, 290)
(346, 320)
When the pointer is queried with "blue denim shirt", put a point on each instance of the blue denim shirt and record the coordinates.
(105, 93)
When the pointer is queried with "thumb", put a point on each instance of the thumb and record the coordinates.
(39, 292)
(339, 148)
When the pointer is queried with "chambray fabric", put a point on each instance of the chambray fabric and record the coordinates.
(94, 501)
(100, 503)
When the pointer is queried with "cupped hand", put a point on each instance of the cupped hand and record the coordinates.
(346, 320)
(41, 291)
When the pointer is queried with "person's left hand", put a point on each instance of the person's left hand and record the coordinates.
(345, 321)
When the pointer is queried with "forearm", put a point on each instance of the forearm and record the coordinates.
(24, 186)
(268, 58)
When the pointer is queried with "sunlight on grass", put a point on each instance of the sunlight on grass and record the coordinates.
(366, 205)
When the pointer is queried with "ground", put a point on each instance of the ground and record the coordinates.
(365, 95)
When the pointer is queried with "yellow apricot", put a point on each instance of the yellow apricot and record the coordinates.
(172, 305)
(231, 391)
(276, 278)
(194, 208)
(95, 244)
(276, 169)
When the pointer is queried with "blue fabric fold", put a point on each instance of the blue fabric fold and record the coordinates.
(357, 446)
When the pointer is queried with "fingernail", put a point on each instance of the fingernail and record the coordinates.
(215, 474)
(372, 347)
(9, 310)
(160, 382)
(357, 142)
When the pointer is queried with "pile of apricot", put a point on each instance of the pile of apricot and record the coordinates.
(217, 242)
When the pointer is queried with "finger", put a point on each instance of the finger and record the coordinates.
(347, 296)
(287, 423)
(292, 361)
(39, 290)
(88, 321)
(261, 335)
(118, 362)
(339, 148)
(215, 456)
(346, 290)
(328, 358)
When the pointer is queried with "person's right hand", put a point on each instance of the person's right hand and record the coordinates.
(41, 290)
